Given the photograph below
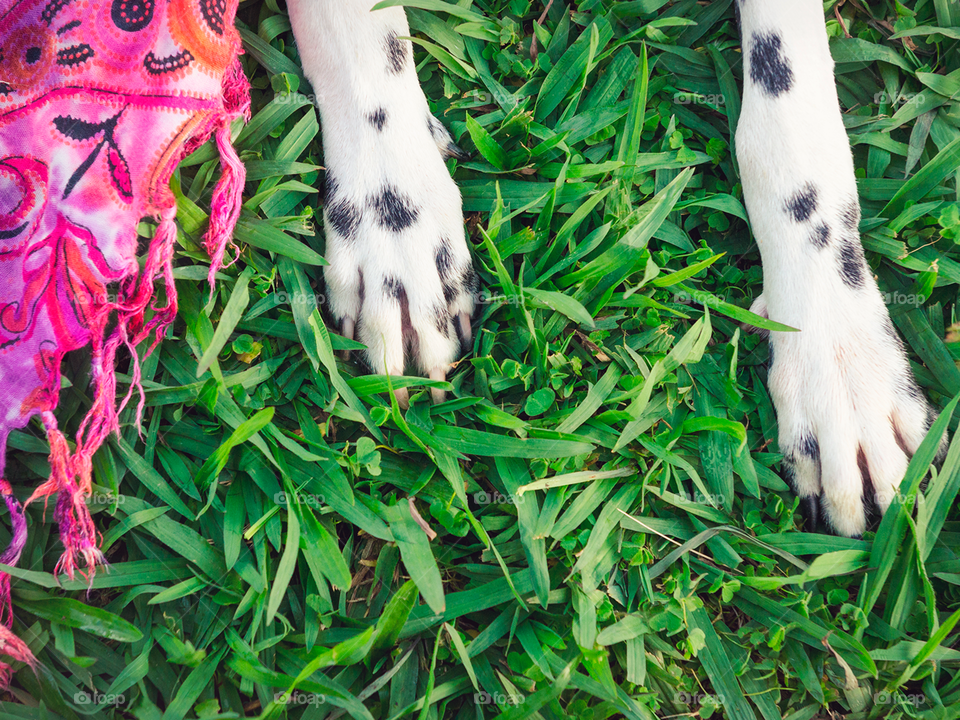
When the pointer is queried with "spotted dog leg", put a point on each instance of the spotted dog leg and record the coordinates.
(400, 278)
(849, 410)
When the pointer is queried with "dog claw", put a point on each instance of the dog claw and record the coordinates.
(438, 394)
(466, 331)
(346, 330)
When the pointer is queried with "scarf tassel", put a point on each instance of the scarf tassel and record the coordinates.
(10, 644)
(227, 195)
(71, 472)
(70, 480)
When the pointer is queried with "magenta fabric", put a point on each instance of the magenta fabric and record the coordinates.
(99, 100)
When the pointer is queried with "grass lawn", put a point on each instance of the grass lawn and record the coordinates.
(609, 535)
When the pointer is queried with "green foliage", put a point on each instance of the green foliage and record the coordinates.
(608, 534)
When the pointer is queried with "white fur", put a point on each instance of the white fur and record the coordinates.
(341, 44)
(844, 378)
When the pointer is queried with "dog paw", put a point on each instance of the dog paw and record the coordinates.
(399, 278)
(850, 413)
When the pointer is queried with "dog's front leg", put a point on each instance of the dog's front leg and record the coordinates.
(400, 278)
(849, 410)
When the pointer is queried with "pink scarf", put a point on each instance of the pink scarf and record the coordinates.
(99, 101)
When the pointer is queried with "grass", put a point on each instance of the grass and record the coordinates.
(613, 538)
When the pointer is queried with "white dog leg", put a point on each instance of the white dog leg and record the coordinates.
(849, 410)
(400, 277)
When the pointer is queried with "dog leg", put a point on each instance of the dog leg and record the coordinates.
(850, 412)
(400, 278)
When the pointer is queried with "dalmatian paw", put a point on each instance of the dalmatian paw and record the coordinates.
(850, 414)
(399, 278)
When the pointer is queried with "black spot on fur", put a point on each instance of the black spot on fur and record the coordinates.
(396, 53)
(394, 211)
(442, 319)
(330, 188)
(394, 288)
(850, 215)
(378, 118)
(803, 204)
(465, 282)
(769, 357)
(810, 505)
(809, 447)
(471, 281)
(852, 263)
(450, 292)
(820, 236)
(342, 215)
(361, 291)
(444, 260)
(768, 68)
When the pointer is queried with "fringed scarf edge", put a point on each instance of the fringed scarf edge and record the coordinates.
(71, 474)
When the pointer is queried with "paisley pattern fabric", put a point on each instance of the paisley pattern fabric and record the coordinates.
(99, 100)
